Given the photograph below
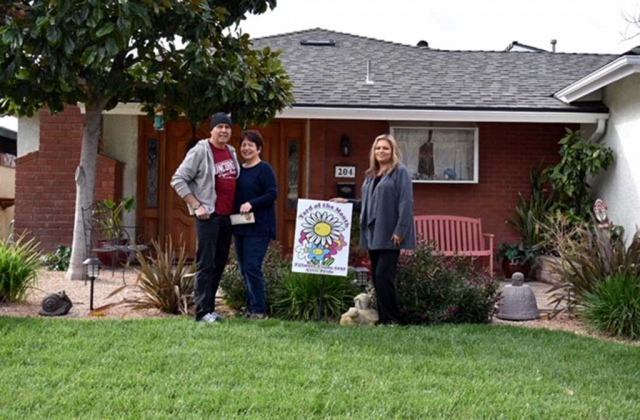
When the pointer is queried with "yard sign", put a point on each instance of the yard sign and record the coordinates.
(322, 238)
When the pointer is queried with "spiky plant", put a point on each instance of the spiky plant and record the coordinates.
(589, 261)
(165, 280)
(19, 263)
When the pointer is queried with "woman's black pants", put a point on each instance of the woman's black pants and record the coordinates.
(384, 266)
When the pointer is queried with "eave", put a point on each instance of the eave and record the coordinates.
(340, 113)
(612, 72)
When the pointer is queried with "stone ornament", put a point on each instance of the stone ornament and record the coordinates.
(56, 304)
(361, 313)
(518, 301)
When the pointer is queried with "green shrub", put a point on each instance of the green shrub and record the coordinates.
(58, 260)
(274, 267)
(19, 263)
(298, 296)
(436, 289)
(614, 306)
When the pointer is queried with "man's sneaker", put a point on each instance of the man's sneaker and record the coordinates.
(259, 316)
(210, 318)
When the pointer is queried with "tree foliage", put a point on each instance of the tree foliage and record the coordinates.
(174, 55)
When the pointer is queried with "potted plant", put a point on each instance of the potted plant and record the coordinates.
(515, 256)
(111, 233)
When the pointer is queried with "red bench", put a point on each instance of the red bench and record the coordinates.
(455, 235)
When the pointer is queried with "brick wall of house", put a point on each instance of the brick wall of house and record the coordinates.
(507, 153)
(45, 186)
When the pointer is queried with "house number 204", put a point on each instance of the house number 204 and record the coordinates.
(345, 172)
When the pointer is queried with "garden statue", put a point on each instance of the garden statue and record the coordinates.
(361, 313)
(518, 301)
(56, 304)
(600, 211)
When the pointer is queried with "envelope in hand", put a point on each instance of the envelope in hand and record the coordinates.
(242, 219)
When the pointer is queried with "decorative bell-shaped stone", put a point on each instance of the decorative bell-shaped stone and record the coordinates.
(518, 301)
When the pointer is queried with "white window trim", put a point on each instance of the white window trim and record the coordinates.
(476, 154)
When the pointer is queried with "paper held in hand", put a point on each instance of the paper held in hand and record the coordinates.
(242, 219)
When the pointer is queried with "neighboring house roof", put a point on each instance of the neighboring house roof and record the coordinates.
(408, 77)
(516, 46)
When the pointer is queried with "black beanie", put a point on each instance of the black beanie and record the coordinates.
(220, 118)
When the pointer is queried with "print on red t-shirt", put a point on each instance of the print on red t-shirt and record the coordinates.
(225, 173)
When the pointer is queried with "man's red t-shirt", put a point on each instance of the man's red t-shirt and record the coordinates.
(225, 173)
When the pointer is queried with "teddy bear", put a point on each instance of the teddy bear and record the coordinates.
(361, 313)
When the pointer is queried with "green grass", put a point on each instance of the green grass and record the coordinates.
(175, 368)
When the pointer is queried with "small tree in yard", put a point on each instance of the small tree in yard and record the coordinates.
(177, 56)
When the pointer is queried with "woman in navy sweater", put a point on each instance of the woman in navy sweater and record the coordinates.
(256, 192)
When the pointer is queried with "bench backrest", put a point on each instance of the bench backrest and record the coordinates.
(451, 234)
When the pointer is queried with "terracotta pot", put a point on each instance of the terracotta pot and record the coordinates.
(510, 267)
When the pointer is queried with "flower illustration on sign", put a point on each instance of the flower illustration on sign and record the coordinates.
(321, 238)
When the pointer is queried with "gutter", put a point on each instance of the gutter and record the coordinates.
(601, 129)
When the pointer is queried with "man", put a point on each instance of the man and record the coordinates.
(206, 181)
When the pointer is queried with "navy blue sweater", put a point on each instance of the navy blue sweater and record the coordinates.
(257, 185)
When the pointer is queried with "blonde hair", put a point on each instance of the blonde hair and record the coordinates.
(396, 156)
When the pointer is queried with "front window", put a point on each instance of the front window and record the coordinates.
(439, 155)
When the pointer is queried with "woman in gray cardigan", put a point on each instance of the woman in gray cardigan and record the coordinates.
(386, 221)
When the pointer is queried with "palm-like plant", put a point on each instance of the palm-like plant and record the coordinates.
(596, 255)
(166, 280)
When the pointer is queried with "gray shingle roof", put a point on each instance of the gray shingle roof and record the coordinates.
(420, 78)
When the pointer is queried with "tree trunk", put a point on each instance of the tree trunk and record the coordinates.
(85, 185)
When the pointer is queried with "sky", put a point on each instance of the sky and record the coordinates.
(585, 26)
(579, 26)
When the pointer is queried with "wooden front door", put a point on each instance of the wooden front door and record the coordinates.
(163, 213)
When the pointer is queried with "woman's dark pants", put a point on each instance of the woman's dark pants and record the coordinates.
(250, 251)
(384, 266)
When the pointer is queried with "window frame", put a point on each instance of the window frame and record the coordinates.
(476, 154)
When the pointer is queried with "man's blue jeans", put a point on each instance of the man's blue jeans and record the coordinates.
(214, 241)
(250, 251)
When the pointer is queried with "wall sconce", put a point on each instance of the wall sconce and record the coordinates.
(345, 145)
(93, 271)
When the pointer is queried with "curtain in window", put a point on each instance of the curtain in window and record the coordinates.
(440, 154)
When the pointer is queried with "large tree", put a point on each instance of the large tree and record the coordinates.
(174, 56)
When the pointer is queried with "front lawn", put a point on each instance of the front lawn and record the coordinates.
(175, 368)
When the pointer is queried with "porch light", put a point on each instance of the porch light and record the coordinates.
(92, 266)
(345, 145)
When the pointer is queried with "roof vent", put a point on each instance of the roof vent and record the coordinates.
(368, 80)
(319, 42)
(423, 44)
(553, 45)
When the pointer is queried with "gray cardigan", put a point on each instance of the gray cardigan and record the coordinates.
(195, 175)
(387, 210)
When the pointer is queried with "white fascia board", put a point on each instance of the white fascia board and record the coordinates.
(612, 72)
(410, 115)
(440, 115)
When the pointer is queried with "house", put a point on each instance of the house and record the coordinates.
(617, 85)
(7, 179)
(471, 124)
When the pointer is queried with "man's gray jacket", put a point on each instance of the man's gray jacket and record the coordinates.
(196, 175)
